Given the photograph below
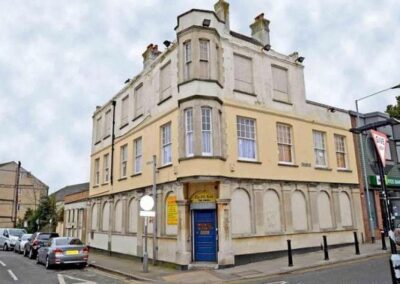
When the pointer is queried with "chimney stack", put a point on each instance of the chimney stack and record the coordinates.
(221, 8)
(150, 54)
(260, 29)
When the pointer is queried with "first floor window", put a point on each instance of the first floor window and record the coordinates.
(97, 171)
(246, 138)
(206, 131)
(106, 167)
(319, 148)
(124, 160)
(187, 51)
(166, 144)
(189, 131)
(138, 155)
(340, 147)
(285, 147)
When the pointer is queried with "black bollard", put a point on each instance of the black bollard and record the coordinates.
(356, 243)
(392, 272)
(289, 251)
(383, 239)
(326, 255)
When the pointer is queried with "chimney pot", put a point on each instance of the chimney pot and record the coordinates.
(260, 30)
(150, 54)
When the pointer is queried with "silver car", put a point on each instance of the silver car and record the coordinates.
(64, 250)
(9, 236)
(21, 242)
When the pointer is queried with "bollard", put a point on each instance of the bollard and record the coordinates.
(290, 258)
(383, 239)
(392, 272)
(326, 255)
(356, 243)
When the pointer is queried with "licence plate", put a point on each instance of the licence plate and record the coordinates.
(72, 252)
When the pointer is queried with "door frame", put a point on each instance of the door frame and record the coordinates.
(193, 231)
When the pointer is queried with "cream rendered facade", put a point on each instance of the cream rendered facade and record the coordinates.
(258, 201)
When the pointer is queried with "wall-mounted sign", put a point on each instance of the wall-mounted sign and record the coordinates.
(203, 196)
(172, 210)
(390, 181)
(380, 140)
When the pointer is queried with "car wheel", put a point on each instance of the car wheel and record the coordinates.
(48, 266)
(5, 247)
(31, 256)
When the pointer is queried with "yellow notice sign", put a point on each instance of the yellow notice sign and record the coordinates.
(172, 210)
(203, 196)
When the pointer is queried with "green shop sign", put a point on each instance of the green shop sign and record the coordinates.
(389, 181)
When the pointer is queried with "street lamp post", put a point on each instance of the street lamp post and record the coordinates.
(371, 224)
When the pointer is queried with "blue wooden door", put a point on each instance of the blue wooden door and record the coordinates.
(205, 238)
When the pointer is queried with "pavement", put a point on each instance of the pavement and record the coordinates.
(133, 269)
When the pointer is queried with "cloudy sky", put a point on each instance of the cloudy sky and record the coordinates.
(59, 59)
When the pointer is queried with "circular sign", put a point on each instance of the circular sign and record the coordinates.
(147, 202)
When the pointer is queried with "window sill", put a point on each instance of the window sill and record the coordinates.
(288, 165)
(164, 100)
(202, 157)
(137, 117)
(283, 102)
(344, 170)
(323, 169)
(124, 125)
(136, 174)
(105, 137)
(97, 143)
(95, 186)
(105, 183)
(123, 178)
(201, 80)
(245, 93)
(164, 166)
(249, 161)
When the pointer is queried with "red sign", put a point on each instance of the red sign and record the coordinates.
(380, 140)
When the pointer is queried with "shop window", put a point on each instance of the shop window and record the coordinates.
(299, 211)
(240, 212)
(272, 212)
(345, 209)
(324, 210)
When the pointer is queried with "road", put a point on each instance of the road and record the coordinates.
(368, 271)
(16, 269)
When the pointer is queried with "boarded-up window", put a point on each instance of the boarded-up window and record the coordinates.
(240, 212)
(133, 216)
(171, 213)
(272, 212)
(165, 81)
(299, 211)
(139, 100)
(118, 217)
(106, 216)
(124, 110)
(94, 217)
(98, 129)
(107, 123)
(280, 84)
(345, 209)
(243, 73)
(324, 211)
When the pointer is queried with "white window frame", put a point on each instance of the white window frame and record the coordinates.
(97, 171)
(318, 149)
(106, 168)
(283, 129)
(166, 144)
(187, 59)
(138, 150)
(204, 48)
(341, 151)
(125, 110)
(206, 132)
(124, 161)
(249, 135)
(189, 132)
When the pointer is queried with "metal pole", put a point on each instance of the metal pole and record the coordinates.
(383, 240)
(371, 220)
(145, 255)
(16, 194)
(356, 243)
(290, 257)
(154, 191)
(326, 254)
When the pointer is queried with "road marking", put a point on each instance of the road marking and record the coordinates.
(61, 279)
(2, 263)
(12, 275)
(279, 282)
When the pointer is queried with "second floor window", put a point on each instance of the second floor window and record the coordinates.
(340, 147)
(96, 171)
(165, 81)
(246, 138)
(280, 83)
(243, 68)
(206, 131)
(124, 110)
(204, 58)
(187, 59)
(124, 161)
(138, 155)
(107, 123)
(98, 129)
(106, 167)
(285, 146)
(166, 144)
(138, 100)
(189, 132)
(319, 149)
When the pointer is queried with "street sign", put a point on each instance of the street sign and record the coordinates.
(147, 202)
(380, 140)
(147, 213)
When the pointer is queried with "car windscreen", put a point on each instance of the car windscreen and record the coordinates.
(75, 242)
(25, 237)
(61, 242)
(44, 237)
(17, 232)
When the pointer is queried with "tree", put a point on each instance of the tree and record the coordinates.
(40, 218)
(394, 110)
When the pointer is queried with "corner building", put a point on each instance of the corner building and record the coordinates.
(244, 161)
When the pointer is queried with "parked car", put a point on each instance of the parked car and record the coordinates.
(9, 236)
(64, 250)
(37, 240)
(20, 244)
